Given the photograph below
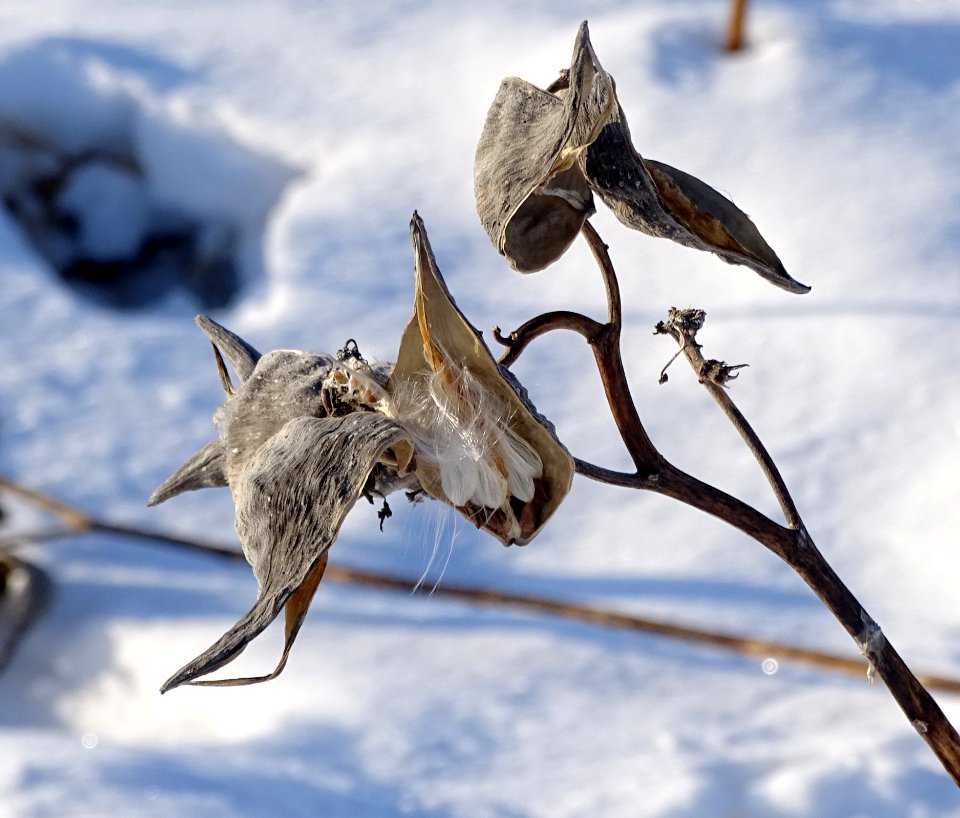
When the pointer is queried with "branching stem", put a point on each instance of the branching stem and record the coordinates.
(791, 542)
(604, 340)
(713, 375)
(518, 340)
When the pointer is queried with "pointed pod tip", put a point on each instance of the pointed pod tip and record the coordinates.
(178, 680)
(771, 271)
(205, 469)
(786, 282)
(416, 224)
(582, 43)
(169, 685)
(423, 252)
(241, 355)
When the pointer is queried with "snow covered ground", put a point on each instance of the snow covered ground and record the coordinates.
(309, 132)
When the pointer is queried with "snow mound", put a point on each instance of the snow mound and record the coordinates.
(126, 191)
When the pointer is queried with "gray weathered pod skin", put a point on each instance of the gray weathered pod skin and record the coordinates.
(531, 195)
(305, 435)
(294, 472)
(662, 201)
(533, 202)
(205, 470)
(291, 496)
(286, 384)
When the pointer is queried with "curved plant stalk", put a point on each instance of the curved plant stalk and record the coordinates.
(77, 522)
(790, 542)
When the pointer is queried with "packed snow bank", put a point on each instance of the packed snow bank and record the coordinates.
(126, 191)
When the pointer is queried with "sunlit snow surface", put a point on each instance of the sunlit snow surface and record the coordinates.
(318, 128)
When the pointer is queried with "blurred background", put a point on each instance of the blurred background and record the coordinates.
(259, 161)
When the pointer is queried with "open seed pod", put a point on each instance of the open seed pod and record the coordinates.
(291, 499)
(305, 435)
(531, 194)
(542, 155)
(662, 201)
(480, 445)
(296, 461)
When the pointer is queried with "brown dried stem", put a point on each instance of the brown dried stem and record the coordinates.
(791, 542)
(683, 325)
(742, 644)
(77, 522)
(604, 340)
(518, 340)
(797, 549)
(734, 40)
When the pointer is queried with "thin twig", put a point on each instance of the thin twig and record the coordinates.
(741, 644)
(601, 254)
(518, 340)
(734, 40)
(683, 326)
(736, 643)
(73, 517)
(678, 485)
(798, 550)
(606, 350)
(78, 522)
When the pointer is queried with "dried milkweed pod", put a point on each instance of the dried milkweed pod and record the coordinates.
(295, 468)
(291, 498)
(533, 201)
(481, 446)
(662, 201)
(305, 435)
(531, 194)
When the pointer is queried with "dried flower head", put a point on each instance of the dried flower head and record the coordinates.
(305, 435)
